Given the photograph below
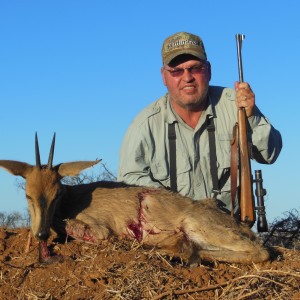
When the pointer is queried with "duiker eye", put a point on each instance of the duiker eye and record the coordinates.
(28, 197)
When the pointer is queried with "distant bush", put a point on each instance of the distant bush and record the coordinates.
(14, 219)
(104, 174)
(285, 231)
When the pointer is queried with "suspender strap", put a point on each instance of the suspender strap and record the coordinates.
(172, 149)
(213, 155)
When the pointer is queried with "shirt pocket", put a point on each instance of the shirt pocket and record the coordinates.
(161, 172)
(184, 169)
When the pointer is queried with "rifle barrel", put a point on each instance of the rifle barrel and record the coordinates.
(239, 38)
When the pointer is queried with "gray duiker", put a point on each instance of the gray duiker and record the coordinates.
(155, 217)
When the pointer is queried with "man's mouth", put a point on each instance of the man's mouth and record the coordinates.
(189, 88)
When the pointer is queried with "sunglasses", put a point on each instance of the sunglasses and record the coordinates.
(194, 70)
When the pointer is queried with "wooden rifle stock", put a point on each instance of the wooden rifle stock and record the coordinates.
(247, 205)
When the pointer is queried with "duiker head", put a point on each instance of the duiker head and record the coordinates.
(43, 186)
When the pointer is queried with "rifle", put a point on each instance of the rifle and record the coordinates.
(247, 203)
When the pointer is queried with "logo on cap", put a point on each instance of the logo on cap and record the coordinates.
(182, 43)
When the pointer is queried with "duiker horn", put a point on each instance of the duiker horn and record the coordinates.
(50, 160)
(37, 153)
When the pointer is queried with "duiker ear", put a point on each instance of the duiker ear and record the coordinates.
(74, 168)
(16, 167)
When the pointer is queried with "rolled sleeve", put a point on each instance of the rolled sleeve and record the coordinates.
(266, 140)
(134, 167)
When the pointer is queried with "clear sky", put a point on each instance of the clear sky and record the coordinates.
(84, 69)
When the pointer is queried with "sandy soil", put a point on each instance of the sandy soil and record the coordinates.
(124, 270)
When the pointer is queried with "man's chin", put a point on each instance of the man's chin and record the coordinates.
(195, 105)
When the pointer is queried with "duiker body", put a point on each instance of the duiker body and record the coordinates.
(158, 218)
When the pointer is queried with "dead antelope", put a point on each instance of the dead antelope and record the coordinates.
(177, 225)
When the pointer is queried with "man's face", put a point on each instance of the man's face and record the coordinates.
(187, 80)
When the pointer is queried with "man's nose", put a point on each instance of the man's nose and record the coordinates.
(187, 74)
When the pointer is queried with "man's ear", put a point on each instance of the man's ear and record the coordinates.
(162, 71)
(208, 71)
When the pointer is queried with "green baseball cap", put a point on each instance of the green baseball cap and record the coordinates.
(182, 43)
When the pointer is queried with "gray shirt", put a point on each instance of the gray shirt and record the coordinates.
(144, 156)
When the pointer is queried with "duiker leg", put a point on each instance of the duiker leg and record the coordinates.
(86, 233)
(219, 237)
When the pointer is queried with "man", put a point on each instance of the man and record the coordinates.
(191, 108)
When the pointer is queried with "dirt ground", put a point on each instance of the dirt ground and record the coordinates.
(124, 270)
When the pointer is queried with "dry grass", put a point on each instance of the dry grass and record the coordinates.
(124, 270)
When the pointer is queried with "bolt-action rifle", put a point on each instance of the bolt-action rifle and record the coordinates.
(246, 201)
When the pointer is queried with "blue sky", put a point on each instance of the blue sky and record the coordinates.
(84, 69)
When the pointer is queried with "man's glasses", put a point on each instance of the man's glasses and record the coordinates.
(198, 69)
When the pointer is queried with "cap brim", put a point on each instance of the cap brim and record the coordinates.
(184, 51)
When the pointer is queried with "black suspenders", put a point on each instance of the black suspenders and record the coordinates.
(172, 158)
(212, 152)
(213, 155)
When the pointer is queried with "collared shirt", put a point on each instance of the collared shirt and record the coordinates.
(144, 155)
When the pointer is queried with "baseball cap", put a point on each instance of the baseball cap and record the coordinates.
(182, 43)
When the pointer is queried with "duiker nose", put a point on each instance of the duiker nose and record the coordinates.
(42, 235)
